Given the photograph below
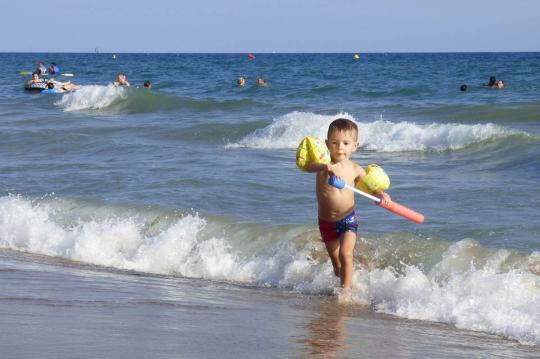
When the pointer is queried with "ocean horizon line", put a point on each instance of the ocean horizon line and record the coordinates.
(273, 53)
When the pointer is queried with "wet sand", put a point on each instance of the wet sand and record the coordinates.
(59, 310)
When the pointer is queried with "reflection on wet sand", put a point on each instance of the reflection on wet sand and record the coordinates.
(327, 331)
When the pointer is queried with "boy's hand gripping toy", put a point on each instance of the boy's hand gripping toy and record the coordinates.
(392, 206)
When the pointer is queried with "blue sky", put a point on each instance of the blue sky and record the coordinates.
(270, 25)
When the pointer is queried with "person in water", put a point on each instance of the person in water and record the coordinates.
(121, 80)
(338, 219)
(147, 84)
(261, 81)
(41, 69)
(63, 86)
(492, 82)
(463, 88)
(35, 78)
(53, 69)
(241, 81)
(500, 84)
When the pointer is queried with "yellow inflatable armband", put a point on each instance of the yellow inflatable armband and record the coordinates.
(375, 180)
(311, 150)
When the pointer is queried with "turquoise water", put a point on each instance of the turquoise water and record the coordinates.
(196, 177)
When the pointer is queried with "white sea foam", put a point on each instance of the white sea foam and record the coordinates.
(91, 97)
(482, 299)
(471, 287)
(384, 136)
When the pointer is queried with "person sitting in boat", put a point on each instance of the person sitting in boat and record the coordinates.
(121, 80)
(53, 69)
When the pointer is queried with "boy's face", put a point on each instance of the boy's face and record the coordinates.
(341, 144)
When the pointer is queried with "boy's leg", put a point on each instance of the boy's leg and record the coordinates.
(333, 251)
(346, 251)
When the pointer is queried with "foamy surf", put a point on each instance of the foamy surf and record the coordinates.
(382, 136)
(469, 286)
(480, 299)
(91, 97)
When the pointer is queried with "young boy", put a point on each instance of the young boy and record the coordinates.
(338, 220)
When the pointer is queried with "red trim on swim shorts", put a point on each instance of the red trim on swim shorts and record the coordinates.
(328, 230)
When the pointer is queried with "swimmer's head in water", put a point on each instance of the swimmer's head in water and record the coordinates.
(463, 88)
(50, 85)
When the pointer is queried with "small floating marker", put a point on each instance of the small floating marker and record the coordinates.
(356, 56)
(250, 56)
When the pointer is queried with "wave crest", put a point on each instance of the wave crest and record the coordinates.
(463, 284)
(112, 99)
(381, 136)
(92, 97)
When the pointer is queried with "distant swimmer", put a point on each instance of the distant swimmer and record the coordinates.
(62, 87)
(121, 80)
(463, 88)
(241, 81)
(261, 81)
(53, 69)
(147, 84)
(41, 69)
(494, 84)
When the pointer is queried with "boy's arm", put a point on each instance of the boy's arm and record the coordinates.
(361, 173)
(318, 167)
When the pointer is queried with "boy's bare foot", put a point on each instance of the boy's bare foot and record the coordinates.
(345, 295)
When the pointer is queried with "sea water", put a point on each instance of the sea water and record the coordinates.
(173, 222)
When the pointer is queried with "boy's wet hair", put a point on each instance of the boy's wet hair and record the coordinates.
(50, 85)
(343, 125)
